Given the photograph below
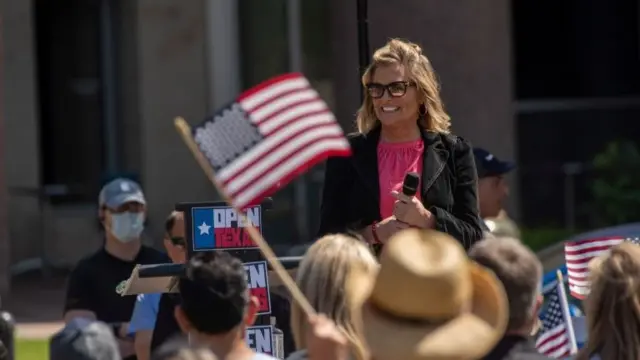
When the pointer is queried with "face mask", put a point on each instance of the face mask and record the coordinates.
(127, 226)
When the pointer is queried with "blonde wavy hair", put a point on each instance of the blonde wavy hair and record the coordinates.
(322, 277)
(612, 308)
(421, 73)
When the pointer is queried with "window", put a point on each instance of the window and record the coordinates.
(577, 88)
(264, 37)
(576, 48)
(316, 46)
(263, 40)
(72, 88)
(265, 52)
(547, 141)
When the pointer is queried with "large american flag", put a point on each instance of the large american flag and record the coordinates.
(556, 339)
(579, 253)
(269, 135)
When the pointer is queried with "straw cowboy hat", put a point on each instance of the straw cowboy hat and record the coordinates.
(429, 301)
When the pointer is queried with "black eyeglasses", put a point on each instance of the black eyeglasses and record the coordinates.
(395, 89)
(178, 240)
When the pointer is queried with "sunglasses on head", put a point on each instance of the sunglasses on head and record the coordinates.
(395, 89)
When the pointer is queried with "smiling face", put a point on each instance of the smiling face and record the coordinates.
(394, 96)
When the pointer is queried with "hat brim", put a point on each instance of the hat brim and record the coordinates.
(468, 336)
(505, 167)
(119, 200)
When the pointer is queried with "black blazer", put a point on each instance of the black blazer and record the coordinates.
(351, 194)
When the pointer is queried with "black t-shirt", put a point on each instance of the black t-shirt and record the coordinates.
(92, 284)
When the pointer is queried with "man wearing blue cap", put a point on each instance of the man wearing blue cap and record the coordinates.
(91, 292)
(492, 192)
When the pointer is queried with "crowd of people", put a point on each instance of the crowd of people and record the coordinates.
(391, 276)
(423, 298)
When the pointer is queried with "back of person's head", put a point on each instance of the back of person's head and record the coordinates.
(519, 270)
(4, 352)
(215, 295)
(83, 339)
(322, 277)
(612, 307)
(180, 350)
(7, 330)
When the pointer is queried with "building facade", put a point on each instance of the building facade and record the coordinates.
(92, 87)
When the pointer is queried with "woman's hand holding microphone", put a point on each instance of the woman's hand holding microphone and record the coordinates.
(380, 232)
(410, 210)
(407, 212)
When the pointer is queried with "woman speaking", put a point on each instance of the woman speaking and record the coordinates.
(402, 127)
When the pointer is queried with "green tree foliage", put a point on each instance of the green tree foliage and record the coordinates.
(616, 185)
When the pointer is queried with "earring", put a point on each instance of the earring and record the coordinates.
(422, 110)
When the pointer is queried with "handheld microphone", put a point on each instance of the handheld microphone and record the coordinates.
(410, 189)
(410, 184)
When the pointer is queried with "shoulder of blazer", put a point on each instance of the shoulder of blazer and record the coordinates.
(356, 137)
(455, 143)
(450, 139)
(357, 140)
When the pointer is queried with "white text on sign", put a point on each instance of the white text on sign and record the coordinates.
(260, 339)
(228, 218)
(256, 274)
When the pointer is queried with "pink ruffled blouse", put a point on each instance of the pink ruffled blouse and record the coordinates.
(395, 160)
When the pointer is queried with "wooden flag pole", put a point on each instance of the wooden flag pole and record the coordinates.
(185, 131)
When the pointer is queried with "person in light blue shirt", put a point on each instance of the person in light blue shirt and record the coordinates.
(145, 312)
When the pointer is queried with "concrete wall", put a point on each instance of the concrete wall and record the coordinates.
(20, 141)
(171, 82)
(63, 234)
(5, 243)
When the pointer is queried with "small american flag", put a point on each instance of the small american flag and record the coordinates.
(579, 253)
(556, 339)
(269, 135)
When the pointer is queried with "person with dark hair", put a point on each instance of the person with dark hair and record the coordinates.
(84, 339)
(216, 306)
(181, 350)
(4, 352)
(91, 291)
(152, 321)
(493, 191)
(7, 335)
